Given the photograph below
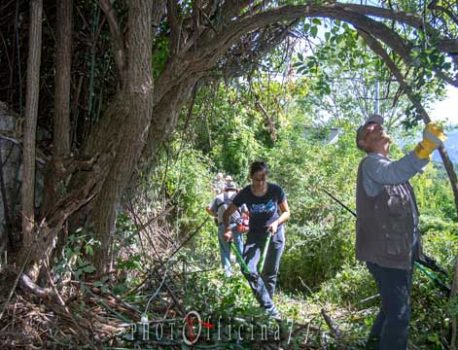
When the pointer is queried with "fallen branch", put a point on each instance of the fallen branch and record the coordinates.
(67, 311)
(332, 326)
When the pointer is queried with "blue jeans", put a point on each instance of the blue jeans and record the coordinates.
(225, 248)
(391, 327)
(263, 282)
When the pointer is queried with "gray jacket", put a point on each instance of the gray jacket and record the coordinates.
(387, 214)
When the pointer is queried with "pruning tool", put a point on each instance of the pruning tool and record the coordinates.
(251, 276)
(239, 257)
(262, 261)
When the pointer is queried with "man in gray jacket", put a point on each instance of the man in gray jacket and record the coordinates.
(387, 236)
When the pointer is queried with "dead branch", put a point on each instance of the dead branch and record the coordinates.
(444, 44)
(28, 286)
(66, 309)
(332, 326)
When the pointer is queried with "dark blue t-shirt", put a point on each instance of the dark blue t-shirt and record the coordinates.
(263, 210)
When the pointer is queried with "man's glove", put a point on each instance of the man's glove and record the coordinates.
(433, 137)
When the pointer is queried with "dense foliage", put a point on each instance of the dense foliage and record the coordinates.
(227, 83)
(318, 268)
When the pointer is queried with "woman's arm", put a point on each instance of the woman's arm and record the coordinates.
(285, 214)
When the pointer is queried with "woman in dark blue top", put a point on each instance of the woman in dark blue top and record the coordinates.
(268, 210)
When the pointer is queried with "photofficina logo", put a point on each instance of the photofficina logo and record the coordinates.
(194, 328)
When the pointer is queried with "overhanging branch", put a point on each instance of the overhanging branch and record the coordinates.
(445, 45)
(375, 46)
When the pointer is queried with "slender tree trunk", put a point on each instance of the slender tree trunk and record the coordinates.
(5, 241)
(53, 182)
(63, 78)
(31, 112)
(61, 126)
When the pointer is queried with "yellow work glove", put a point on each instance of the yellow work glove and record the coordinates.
(433, 137)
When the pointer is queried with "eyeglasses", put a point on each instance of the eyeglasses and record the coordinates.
(259, 178)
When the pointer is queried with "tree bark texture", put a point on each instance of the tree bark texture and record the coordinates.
(63, 78)
(131, 118)
(61, 121)
(31, 115)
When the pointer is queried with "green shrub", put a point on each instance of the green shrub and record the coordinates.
(313, 254)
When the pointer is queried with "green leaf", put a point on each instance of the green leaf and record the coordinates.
(89, 250)
(88, 268)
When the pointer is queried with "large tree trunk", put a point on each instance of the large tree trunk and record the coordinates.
(132, 116)
(31, 112)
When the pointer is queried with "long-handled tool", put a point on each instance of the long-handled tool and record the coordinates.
(243, 265)
(262, 261)
(239, 257)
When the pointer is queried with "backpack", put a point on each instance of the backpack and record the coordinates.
(223, 205)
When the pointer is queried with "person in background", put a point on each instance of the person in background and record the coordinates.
(268, 210)
(217, 208)
(218, 183)
(387, 236)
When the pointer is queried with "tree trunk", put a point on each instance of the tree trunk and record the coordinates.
(31, 112)
(61, 126)
(131, 117)
(166, 112)
(63, 78)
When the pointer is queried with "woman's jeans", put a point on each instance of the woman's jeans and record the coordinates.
(263, 282)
